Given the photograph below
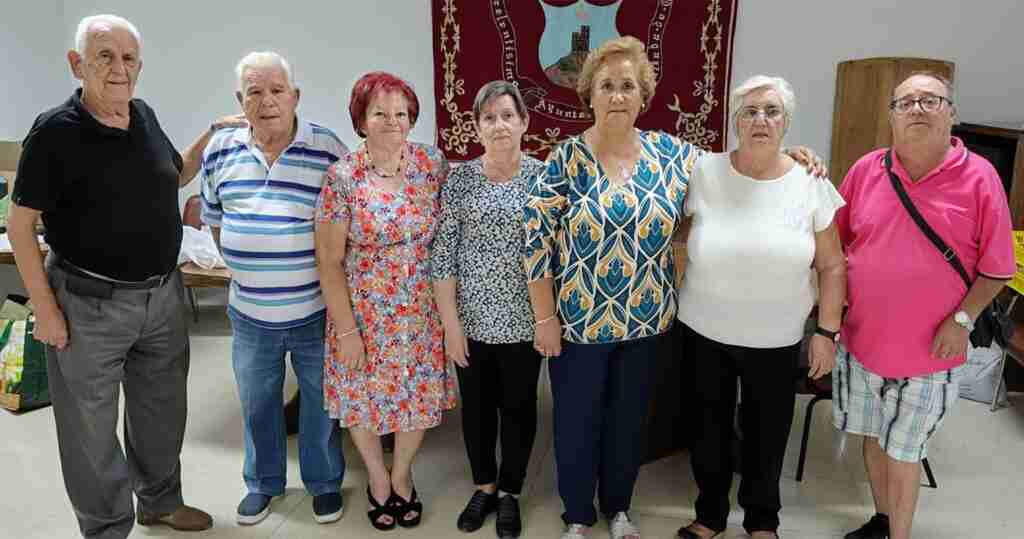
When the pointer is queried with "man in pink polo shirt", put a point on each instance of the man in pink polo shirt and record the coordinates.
(905, 335)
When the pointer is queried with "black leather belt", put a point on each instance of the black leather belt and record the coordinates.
(153, 282)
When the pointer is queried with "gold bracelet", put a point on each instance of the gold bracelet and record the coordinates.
(347, 333)
(548, 319)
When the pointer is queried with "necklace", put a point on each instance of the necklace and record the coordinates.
(380, 173)
(626, 173)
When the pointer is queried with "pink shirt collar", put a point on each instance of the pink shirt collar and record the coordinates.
(954, 159)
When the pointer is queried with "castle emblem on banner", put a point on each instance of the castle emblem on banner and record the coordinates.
(570, 32)
(541, 46)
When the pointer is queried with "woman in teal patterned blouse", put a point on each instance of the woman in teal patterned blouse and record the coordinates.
(599, 223)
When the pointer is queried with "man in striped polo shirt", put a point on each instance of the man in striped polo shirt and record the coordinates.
(259, 189)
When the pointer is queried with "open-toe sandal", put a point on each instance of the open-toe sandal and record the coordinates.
(403, 507)
(377, 510)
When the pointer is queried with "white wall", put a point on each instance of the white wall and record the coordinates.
(190, 49)
(191, 46)
(803, 41)
(29, 34)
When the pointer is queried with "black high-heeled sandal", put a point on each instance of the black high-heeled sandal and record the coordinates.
(377, 510)
(403, 507)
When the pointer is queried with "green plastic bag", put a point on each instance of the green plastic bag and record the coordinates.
(23, 384)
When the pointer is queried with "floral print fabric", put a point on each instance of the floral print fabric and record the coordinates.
(405, 383)
(479, 242)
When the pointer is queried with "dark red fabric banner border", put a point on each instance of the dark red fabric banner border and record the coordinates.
(540, 46)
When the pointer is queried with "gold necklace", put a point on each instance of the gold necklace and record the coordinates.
(380, 173)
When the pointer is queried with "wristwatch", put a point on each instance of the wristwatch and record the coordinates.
(964, 320)
(830, 335)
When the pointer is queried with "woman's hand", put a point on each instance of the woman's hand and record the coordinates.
(547, 337)
(823, 356)
(456, 346)
(350, 347)
(809, 160)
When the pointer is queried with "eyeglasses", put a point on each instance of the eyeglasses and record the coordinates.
(929, 103)
(749, 114)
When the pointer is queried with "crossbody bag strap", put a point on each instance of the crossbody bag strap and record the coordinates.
(947, 252)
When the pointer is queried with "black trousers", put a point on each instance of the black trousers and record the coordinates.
(767, 378)
(499, 387)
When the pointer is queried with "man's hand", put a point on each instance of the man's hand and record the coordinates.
(809, 160)
(234, 120)
(951, 340)
(51, 328)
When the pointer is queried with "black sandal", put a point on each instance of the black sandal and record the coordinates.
(685, 533)
(379, 510)
(401, 508)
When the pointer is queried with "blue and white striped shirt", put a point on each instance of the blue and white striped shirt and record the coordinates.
(266, 220)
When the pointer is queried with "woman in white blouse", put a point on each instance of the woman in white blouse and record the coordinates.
(762, 227)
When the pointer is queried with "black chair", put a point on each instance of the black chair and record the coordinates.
(822, 390)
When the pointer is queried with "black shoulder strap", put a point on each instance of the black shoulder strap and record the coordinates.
(947, 252)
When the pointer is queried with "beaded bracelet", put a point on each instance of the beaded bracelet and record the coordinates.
(347, 333)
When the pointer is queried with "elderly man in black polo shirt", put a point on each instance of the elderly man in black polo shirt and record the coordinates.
(104, 177)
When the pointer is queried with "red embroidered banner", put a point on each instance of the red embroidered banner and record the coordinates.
(541, 44)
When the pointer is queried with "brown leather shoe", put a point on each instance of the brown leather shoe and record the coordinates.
(183, 519)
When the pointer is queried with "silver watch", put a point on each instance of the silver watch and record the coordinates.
(964, 320)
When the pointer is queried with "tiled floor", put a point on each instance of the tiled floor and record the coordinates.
(978, 458)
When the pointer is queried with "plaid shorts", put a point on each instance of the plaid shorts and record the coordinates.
(902, 413)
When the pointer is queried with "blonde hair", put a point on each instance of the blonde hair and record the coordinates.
(633, 49)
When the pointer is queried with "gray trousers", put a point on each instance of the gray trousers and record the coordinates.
(138, 340)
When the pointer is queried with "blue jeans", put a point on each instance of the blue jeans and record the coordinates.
(258, 359)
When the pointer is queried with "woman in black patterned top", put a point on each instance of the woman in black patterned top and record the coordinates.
(480, 287)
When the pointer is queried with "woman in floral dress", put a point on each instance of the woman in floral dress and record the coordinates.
(385, 369)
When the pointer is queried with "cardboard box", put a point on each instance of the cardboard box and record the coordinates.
(9, 153)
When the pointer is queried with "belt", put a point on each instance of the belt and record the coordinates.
(155, 281)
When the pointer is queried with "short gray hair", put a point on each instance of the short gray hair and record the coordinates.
(758, 82)
(495, 89)
(86, 24)
(946, 83)
(262, 59)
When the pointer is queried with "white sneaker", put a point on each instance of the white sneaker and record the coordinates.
(575, 531)
(621, 526)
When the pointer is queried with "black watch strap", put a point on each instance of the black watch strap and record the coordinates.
(830, 335)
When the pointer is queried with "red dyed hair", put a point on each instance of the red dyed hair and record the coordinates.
(379, 81)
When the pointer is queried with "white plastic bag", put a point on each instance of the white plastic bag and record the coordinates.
(198, 246)
(981, 374)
